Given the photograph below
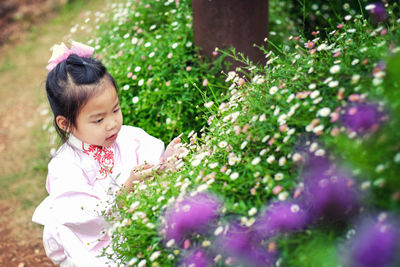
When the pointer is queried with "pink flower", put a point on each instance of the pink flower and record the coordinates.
(205, 82)
(277, 189)
(309, 44)
(336, 54)
(241, 82)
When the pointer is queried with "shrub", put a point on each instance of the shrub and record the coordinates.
(277, 139)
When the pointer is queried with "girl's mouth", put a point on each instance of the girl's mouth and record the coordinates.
(112, 137)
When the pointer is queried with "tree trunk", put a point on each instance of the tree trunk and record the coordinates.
(231, 23)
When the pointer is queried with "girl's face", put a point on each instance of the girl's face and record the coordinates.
(100, 119)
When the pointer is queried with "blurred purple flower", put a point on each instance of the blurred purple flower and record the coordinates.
(240, 244)
(376, 243)
(362, 118)
(196, 258)
(329, 193)
(281, 217)
(191, 215)
(377, 12)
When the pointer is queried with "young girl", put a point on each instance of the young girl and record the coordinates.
(99, 157)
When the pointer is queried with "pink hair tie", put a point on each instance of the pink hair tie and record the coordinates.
(61, 53)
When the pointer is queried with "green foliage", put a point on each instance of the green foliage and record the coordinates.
(259, 131)
(148, 48)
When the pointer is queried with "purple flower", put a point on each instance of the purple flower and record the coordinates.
(197, 258)
(191, 215)
(362, 118)
(329, 193)
(377, 12)
(242, 246)
(376, 243)
(281, 217)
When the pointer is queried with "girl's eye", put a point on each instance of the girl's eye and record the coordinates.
(98, 121)
(116, 110)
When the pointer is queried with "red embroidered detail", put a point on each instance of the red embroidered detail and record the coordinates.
(104, 157)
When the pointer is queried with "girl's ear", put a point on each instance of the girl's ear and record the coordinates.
(62, 123)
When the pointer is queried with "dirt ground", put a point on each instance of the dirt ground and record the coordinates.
(22, 97)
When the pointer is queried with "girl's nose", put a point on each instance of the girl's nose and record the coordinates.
(112, 123)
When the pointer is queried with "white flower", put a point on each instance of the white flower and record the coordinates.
(142, 263)
(137, 69)
(222, 144)
(282, 161)
(135, 99)
(243, 145)
(294, 208)
(312, 86)
(213, 165)
(174, 45)
(324, 112)
(265, 138)
(334, 69)
(273, 90)
(377, 81)
(219, 230)
(196, 162)
(209, 104)
(263, 117)
(252, 211)
(202, 188)
(320, 152)
(155, 255)
(355, 78)
(258, 79)
(170, 243)
(231, 75)
(314, 94)
(132, 261)
(206, 243)
(347, 17)
(318, 128)
(322, 47)
(263, 151)
(256, 160)
(355, 62)
(126, 87)
(152, 54)
(141, 82)
(333, 84)
(283, 196)
(271, 159)
(313, 147)
(397, 158)
(278, 176)
(370, 7)
(296, 157)
(234, 176)
(148, 44)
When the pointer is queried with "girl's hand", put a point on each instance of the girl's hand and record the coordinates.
(139, 173)
(173, 152)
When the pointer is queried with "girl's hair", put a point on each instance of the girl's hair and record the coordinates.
(71, 84)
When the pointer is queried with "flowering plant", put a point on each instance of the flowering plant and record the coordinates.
(276, 170)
